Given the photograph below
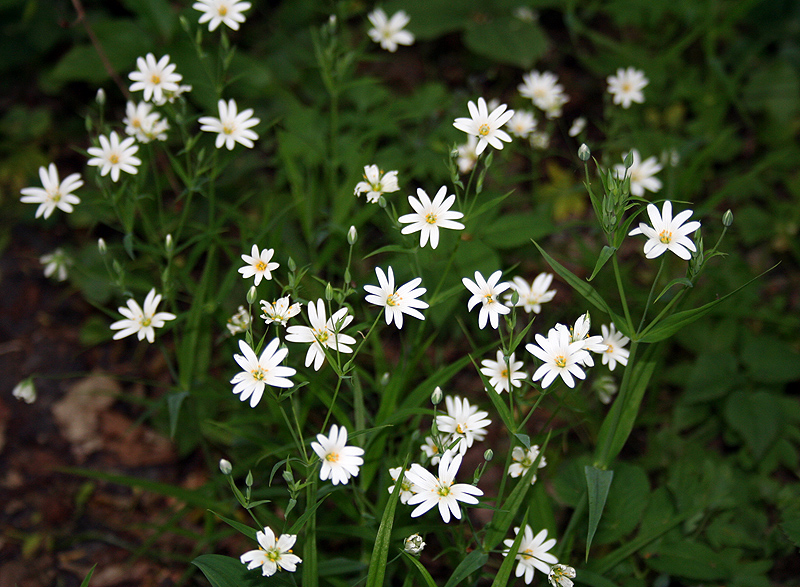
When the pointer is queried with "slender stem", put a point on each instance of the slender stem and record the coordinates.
(622, 297)
(652, 291)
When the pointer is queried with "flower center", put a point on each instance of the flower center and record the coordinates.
(430, 218)
(504, 374)
(261, 266)
(113, 159)
(146, 322)
(484, 129)
(322, 335)
(626, 87)
(57, 197)
(461, 429)
(610, 348)
(443, 490)
(222, 10)
(258, 374)
(488, 299)
(527, 462)
(665, 237)
(155, 79)
(561, 361)
(227, 129)
(332, 457)
(274, 555)
(393, 300)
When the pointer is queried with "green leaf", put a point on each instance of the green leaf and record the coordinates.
(224, 571)
(426, 576)
(791, 528)
(504, 572)
(677, 281)
(605, 255)
(85, 582)
(389, 249)
(584, 577)
(770, 360)
(625, 505)
(693, 560)
(757, 417)
(380, 552)
(469, 564)
(713, 375)
(506, 39)
(598, 483)
(243, 528)
(514, 230)
(174, 402)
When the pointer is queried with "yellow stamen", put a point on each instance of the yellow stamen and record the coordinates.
(665, 237)
(430, 218)
(483, 130)
(561, 361)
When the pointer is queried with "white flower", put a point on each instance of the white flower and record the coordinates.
(273, 554)
(615, 351)
(532, 553)
(406, 487)
(560, 575)
(396, 301)
(339, 461)
(545, 92)
(25, 391)
(531, 297)
(225, 467)
(484, 125)
(577, 126)
(667, 233)
(626, 86)
(389, 31)
(413, 544)
(429, 216)
(56, 263)
(53, 193)
(377, 183)
(462, 421)
(142, 123)
(642, 174)
(155, 78)
(606, 387)
(216, 12)
(467, 154)
(431, 449)
(487, 293)
(258, 264)
(115, 156)
(233, 126)
(239, 322)
(322, 333)
(142, 322)
(280, 311)
(502, 374)
(432, 491)
(522, 124)
(580, 333)
(523, 460)
(258, 372)
(560, 356)
(539, 140)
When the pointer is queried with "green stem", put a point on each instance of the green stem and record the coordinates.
(652, 292)
(622, 297)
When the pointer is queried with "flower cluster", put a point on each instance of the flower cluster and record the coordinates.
(544, 91)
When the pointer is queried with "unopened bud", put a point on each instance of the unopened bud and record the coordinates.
(25, 391)
(727, 218)
(249, 479)
(288, 477)
(352, 236)
(628, 161)
(385, 378)
(329, 292)
(252, 294)
(514, 297)
(291, 265)
(488, 455)
(436, 396)
(413, 544)
(100, 97)
(560, 575)
(584, 153)
(225, 466)
(169, 244)
(101, 246)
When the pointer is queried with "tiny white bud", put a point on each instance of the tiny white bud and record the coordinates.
(169, 244)
(727, 218)
(413, 544)
(436, 396)
(329, 292)
(352, 236)
(252, 293)
(25, 391)
(385, 378)
(488, 455)
(101, 246)
(225, 466)
(100, 97)
(584, 153)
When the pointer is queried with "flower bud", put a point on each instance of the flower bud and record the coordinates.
(488, 455)
(628, 161)
(100, 97)
(413, 544)
(385, 378)
(101, 246)
(436, 396)
(352, 236)
(291, 265)
(252, 294)
(329, 292)
(288, 477)
(25, 391)
(169, 244)
(249, 479)
(584, 153)
(727, 218)
(225, 466)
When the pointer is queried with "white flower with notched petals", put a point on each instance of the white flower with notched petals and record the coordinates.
(462, 421)
(580, 333)
(431, 449)
(531, 297)
(522, 124)
(114, 156)
(503, 374)
(484, 125)
(544, 91)
(429, 216)
(53, 193)
(627, 85)
(396, 301)
(389, 31)
(532, 553)
(142, 321)
(523, 460)
(155, 78)
(258, 372)
(280, 311)
(56, 263)
(467, 154)
(406, 487)
(487, 293)
(217, 12)
(560, 356)
(339, 461)
(144, 124)
(273, 554)
(642, 173)
(431, 491)
(232, 126)
(258, 265)
(561, 576)
(376, 183)
(322, 333)
(667, 233)
(239, 322)
(615, 343)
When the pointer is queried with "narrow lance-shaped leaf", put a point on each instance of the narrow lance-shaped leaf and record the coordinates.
(380, 552)
(471, 563)
(605, 255)
(504, 572)
(598, 482)
(426, 576)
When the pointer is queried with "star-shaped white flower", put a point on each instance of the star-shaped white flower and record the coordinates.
(280, 311)
(114, 156)
(627, 85)
(322, 332)
(523, 460)
(217, 12)
(396, 301)
(431, 449)
(144, 124)
(642, 173)
(406, 486)
(273, 553)
(429, 216)
(376, 183)
(239, 322)
(56, 263)
(339, 461)
(532, 553)
(616, 351)
(561, 576)
(544, 91)
(233, 126)
(580, 333)
(503, 375)
(258, 265)
(484, 125)
(560, 356)
(667, 233)
(389, 31)
(522, 124)
(467, 154)
(53, 193)
(462, 421)
(577, 126)
(139, 321)
(155, 78)
(258, 372)
(531, 297)
(431, 491)
(487, 293)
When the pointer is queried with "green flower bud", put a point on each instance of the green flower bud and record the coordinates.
(352, 236)
(488, 455)
(436, 396)
(101, 246)
(252, 295)
(727, 219)
(225, 466)
(584, 153)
